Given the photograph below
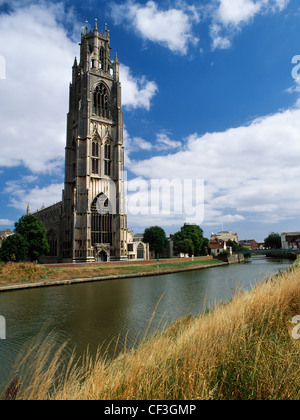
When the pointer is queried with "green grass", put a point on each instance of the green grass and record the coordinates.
(15, 273)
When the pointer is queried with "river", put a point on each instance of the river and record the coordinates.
(116, 311)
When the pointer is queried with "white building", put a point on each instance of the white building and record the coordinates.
(290, 240)
(225, 235)
(4, 234)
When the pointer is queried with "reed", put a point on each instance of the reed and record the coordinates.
(241, 350)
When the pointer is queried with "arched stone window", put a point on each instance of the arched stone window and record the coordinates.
(95, 156)
(102, 58)
(107, 158)
(101, 101)
(101, 223)
(95, 149)
(140, 252)
(107, 151)
(53, 242)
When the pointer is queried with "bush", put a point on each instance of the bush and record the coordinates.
(190, 240)
(14, 248)
(156, 237)
(34, 232)
(224, 253)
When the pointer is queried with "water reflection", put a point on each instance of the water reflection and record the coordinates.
(104, 312)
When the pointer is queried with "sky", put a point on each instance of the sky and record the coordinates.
(211, 103)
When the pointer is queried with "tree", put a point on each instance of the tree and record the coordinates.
(14, 248)
(34, 232)
(234, 245)
(245, 250)
(185, 246)
(205, 247)
(155, 236)
(239, 248)
(193, 233)
(273, 241)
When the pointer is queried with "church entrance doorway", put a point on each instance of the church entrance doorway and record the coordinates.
(102, 256)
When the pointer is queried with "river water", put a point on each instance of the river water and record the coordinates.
(116, 311)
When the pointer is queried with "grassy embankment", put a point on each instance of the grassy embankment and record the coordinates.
(243, 349)
(15, 273)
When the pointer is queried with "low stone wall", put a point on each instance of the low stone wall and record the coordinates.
(236, 259)
(232, 259)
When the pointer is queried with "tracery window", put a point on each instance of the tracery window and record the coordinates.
(95, 149)
(140, 252)
(107, 159)
(101, 222)
(52, 241)
(95, 157)
(107, 151)
(102, 58)
(101, 101)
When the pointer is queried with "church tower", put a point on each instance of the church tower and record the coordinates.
(94, 221)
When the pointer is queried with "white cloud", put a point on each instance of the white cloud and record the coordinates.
(237, 11)
(34, 103)
(6, 222)
(163, 143)
(132, 145)
(21, 193)
(172, 28)
(175, 27)
(247, 170)
(228, 16)
(39, 54)
(137, 92)
(218, 41)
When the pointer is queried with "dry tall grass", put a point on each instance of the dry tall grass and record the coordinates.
(19, 272)
(15, 273)
(240, 350)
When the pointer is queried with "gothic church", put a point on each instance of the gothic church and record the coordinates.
(90, 223)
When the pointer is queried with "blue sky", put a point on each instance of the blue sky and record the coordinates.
(208, 94)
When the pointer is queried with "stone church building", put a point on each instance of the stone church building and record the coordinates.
(90, 223)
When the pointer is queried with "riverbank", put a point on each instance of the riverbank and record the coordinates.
(16, 276)
(244, 349)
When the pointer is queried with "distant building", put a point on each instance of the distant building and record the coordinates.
(250, 243)
(4, 234)
(218, 246)
(138, 237)
(225, 235)
(290, 240)
(138, 250)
